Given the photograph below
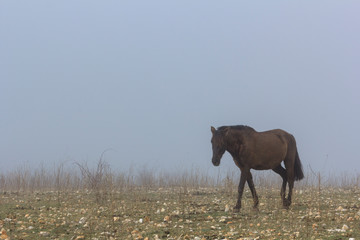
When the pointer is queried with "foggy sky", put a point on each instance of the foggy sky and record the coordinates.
(147, 79)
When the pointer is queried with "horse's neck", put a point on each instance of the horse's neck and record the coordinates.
(233, 143)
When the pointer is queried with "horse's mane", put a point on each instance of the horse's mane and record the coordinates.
(236, 127)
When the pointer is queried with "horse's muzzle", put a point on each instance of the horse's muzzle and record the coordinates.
(216, 162)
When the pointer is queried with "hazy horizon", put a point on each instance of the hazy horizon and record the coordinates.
(148, 79)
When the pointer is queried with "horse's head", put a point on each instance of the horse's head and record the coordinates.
(218, 145)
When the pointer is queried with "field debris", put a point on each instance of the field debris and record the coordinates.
(202, 214)
(4, 234)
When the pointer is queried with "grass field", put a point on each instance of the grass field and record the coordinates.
(109, 207)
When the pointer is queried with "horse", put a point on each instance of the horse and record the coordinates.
(259, 151)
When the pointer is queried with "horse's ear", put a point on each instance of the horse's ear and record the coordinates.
(213, 130)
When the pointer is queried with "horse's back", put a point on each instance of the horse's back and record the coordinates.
(273, 135)
(283, 135)
(267, 148)
(287, 140)
(276, 131)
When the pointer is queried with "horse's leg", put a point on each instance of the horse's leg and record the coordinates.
(282, 172)
(243, 178)
(291, 185)
(290, 178)
(252, 189)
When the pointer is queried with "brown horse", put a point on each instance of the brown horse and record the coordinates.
(260, 151)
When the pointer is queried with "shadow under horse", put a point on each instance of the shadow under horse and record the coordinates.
(260, 151)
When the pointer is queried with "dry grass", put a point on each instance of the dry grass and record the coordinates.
(95, 203)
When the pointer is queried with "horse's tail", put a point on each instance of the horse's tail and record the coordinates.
(298, 168)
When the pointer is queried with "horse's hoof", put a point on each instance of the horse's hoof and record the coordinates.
(286, 207)
(286, 204)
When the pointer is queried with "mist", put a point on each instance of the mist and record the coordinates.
(148, 79)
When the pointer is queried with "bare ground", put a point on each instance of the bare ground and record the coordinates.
(180, 213)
